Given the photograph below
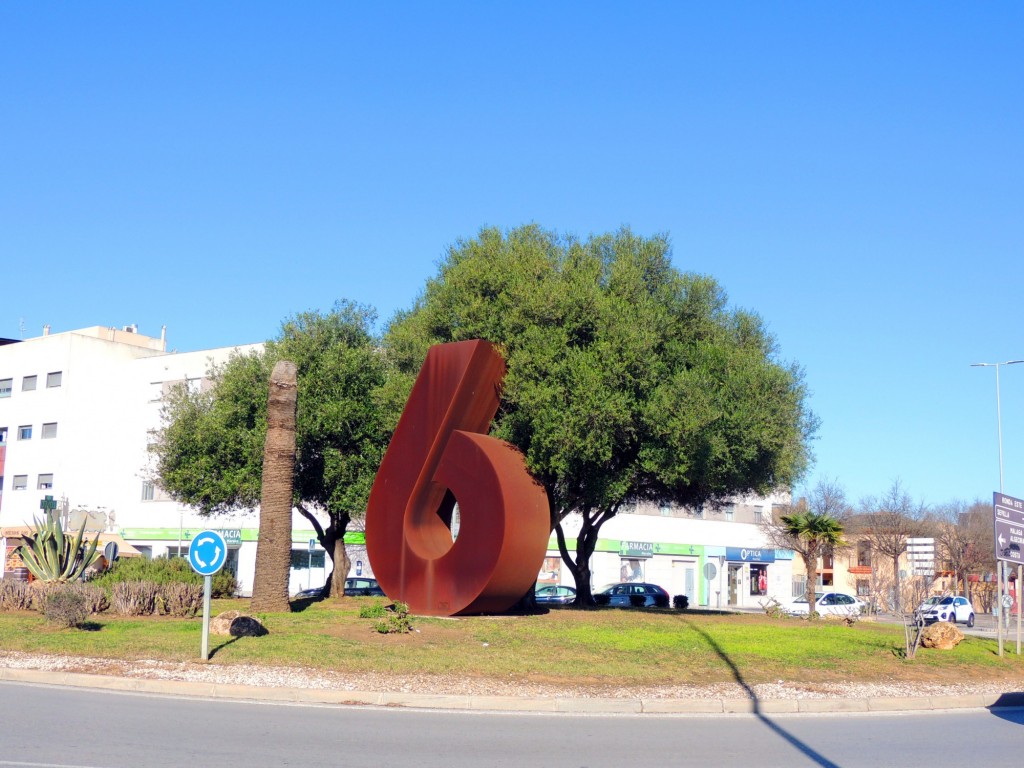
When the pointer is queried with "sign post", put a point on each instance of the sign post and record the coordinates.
(207, 554)
(1008, 517)
(309, 568)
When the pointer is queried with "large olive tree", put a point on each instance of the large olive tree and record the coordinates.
(627, 379)
(209, 453)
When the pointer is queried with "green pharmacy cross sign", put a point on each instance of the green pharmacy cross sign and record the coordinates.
(48, 504)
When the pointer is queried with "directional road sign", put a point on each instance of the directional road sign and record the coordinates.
(1009, 522)
(207, 553)
(921, 553)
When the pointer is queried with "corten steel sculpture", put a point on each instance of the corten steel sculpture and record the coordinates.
(438, 455)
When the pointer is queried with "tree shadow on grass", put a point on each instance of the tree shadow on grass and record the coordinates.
(299, 604)
(225, 644)
(805, 749)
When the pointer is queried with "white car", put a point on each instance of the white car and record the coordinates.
(929, 602)
(952, 608)
(828, 604)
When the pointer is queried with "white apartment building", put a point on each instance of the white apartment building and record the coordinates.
(78, 410)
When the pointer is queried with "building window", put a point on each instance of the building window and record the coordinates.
(53, 379)
(758, 515)
(864, 553)
(25, 432)
(147, 490)
(863, 588)
(303, 559)
(20, 483)
(28, 383)
(799, 586)
(730, 512)
(177, 552)
(631, 569)
(49, 431)
(45, 482)
(5, 387)
(3, 435)
(758, 580)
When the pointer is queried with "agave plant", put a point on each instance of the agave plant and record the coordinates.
(52, 556)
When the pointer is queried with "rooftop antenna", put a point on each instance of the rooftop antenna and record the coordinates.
(21, 326)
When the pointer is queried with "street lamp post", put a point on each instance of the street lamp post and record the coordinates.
(1000, 566)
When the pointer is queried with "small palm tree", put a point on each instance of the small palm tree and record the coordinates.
(814, 534)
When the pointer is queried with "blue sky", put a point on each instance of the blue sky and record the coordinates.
(852, 172)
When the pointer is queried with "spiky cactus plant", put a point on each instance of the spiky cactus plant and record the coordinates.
(51, 556)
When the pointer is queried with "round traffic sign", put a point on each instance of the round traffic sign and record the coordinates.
(1007, 601)
(207, 553)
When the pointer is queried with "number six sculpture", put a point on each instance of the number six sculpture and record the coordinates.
(440, 454)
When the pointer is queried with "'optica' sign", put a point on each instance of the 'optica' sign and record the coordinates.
(750, 555)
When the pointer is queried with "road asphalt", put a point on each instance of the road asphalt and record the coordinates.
(484, 703)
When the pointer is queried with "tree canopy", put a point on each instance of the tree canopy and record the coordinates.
(887, 523)
(627, 379)
(209, 453)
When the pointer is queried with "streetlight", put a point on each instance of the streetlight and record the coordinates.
(1000, 565)
(999, 416)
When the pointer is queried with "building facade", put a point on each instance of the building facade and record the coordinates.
(79, 409)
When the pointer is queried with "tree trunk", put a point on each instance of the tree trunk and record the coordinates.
(342, 564)
(586, 543)
(896, 584)
(274, 547)
(811, 566)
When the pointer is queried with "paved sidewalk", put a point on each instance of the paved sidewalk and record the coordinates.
(482, 703)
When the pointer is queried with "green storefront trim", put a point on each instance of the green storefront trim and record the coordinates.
(624, 548)
(232, 535)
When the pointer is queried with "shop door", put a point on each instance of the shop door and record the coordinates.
(684, 579)
(735, 583)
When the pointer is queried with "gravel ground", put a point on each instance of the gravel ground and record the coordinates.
(289, 677)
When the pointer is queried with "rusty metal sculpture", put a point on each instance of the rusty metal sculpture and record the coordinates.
(438, 455)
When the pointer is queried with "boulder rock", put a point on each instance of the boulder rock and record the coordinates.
(941, 635)
(236, 624)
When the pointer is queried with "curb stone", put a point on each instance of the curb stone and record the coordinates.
(461, 702)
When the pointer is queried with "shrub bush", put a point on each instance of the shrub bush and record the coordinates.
(66, 606)
(183, 600)
(661, 601)
(375, 611)
(134, 598)
(396, 620)
(160, 570)
(15, 595)
(165, 570)
(680, 602)
(223, 584)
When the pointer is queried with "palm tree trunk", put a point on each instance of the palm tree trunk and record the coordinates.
(274, 547)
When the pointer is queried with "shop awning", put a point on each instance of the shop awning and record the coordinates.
(124, 549)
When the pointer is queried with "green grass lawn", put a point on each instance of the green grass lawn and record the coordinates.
(608, 646)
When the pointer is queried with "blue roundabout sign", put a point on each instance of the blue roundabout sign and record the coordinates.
(207, 553)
